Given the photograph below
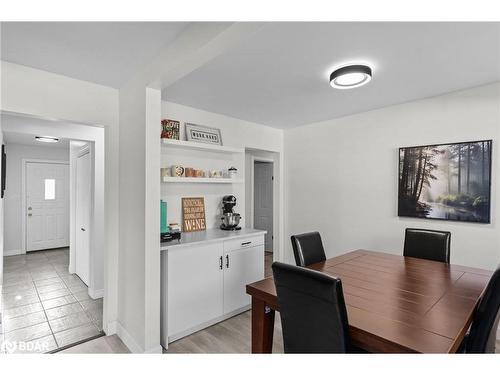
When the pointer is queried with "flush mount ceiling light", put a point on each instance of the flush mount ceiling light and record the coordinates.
(351, 76)
(47, 139)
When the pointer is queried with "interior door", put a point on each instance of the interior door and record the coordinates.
(241, 267)
(263, 200)
(47, 205)
(82, 216)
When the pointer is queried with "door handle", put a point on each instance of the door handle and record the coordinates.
(227, 260)
(29, 215)
(82, 229)
(220, 262)
(246, 243)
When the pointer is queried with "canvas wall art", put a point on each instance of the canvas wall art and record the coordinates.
(447, 181)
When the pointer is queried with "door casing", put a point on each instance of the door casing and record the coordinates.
(269, 227)
(86, 276)
(276, 253)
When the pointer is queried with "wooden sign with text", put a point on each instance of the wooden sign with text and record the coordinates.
(193, 214)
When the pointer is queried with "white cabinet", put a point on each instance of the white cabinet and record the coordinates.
(241, 267)
(195, 286)
(206, 283)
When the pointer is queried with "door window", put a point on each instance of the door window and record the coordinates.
(50, 189)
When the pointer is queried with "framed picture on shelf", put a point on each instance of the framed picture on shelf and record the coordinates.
(446, 181)
(203, 134)
(170, 129)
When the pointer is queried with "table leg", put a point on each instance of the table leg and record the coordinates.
(262, 327)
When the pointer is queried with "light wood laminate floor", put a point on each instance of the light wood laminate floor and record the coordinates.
(230, 336)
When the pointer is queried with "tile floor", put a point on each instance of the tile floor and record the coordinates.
(43, 306)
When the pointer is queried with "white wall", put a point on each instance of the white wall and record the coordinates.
(38, 93)
(13, 192)
(342, 174)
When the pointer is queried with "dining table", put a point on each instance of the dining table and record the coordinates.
(395, 304)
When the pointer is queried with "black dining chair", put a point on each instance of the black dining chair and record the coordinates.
(312, 308)
(483, 331)
(427, 244)
(308, 248)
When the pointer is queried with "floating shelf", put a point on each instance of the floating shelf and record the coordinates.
(203, 180)
(172, 143)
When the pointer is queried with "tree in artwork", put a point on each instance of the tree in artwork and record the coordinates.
(446, 181)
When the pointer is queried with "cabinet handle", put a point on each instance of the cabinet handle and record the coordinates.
(246, 243)
(227, 260)
(220, 262)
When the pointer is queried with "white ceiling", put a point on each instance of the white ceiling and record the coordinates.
(29, 140)
(279, 77)
(107, 53)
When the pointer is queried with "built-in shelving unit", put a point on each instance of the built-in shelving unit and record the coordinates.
(208, 158)
(203, 180)
(172, 143)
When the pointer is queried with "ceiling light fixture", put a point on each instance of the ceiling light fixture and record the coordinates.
(350, 76)
(47, 139)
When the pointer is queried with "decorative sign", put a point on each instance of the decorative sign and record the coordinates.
(203, 134)
(170, 129)
(193, 214)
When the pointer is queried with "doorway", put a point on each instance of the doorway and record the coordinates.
(263, 207)
(46, 198)
(47, 304)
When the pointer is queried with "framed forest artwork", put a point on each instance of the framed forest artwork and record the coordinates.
(446, 181)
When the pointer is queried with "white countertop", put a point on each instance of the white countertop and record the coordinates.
(210, 235)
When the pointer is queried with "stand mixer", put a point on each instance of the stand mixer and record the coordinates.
(230, 219)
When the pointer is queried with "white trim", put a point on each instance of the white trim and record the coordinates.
(8, 253)
(275, 233)
(110, 328)
(23, 195)
(95, 294)
(156, 350)
(128, 339)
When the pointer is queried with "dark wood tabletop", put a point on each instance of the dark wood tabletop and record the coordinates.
(395, 304)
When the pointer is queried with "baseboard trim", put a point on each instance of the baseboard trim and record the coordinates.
(127, 339)
(156, 350)
(110, 328)
(95, 294)
(129, 342)
(199, 327)
(8, 253)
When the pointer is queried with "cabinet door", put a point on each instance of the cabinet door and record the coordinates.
(195, 286)
(241, 267)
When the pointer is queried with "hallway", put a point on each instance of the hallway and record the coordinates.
(43, 306)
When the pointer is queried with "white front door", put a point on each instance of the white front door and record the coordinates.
(83, 202)
(47, 205)
(263, 200)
